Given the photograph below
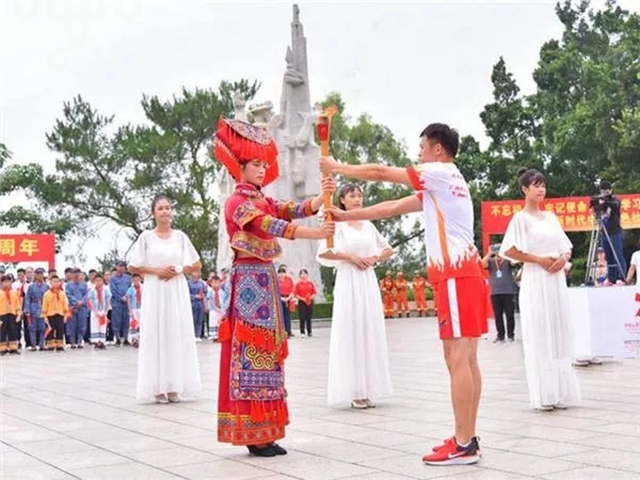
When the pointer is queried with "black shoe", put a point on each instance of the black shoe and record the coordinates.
(261, 452)
(33, 349)
(118, 343)
(278, 449)
(310, 335)
(126, 343)
(14, 352)
(59, 349)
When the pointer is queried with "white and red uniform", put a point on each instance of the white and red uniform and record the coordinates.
(453, 264)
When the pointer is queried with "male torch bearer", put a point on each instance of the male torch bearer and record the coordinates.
(324, 127)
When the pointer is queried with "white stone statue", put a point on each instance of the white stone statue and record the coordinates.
(293, 131)
(239, 103)
(297, 151)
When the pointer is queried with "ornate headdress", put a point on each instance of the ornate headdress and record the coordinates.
(237, 142)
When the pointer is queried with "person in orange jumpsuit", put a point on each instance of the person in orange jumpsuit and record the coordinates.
(402, 300)
(388, 288)
(420, 294)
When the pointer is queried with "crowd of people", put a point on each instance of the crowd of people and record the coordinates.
(103, 308)
(155, 307)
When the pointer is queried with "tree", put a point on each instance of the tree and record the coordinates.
(364, 141)
(581, 124)
(111, 177)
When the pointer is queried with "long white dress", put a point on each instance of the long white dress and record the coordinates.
(358, 357)
(547, 330)
(167, 358)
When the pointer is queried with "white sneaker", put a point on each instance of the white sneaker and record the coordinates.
(302, 335)
(580, 363)
(560, 406)
(595, 361)
(545, 408)
(198, 340)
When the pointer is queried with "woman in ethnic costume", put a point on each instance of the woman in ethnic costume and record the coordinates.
(252, 408)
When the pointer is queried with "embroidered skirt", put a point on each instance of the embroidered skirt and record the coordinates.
(252, 406)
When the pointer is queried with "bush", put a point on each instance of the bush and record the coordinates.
(320, 311)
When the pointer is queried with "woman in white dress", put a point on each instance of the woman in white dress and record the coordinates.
(167, 359)
(535, 238)
(358, 358)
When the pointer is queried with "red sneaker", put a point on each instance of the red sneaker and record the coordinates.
(447, 441)
(475, 440)
(453, 454)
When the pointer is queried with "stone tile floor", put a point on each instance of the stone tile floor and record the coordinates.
(74, 415)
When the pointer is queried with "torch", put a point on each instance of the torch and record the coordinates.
(324, 125)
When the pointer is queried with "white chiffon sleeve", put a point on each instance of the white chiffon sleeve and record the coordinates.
(189, 253)
(138, 256)
(515, 236)
(338, 245)
(565, 244)
(380, 242)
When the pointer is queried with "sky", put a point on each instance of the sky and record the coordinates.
(405, 64)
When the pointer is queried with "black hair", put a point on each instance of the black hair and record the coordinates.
(21, 270)
(92, 271)
(303, 270)
(98, 275)
(6, 278)
(528, 177)
(444, 135)
(68, 270)
(604, 185)
(54, 277)
(215, 277)
(282, 269)
(136, 275)
(345, 190)
(156, 200)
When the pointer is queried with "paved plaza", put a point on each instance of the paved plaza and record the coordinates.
(74, 415)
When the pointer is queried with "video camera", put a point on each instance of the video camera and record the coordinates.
(601, 203)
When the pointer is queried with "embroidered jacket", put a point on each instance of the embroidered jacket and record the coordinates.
(255, 220)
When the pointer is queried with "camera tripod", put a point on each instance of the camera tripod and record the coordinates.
(597, 234)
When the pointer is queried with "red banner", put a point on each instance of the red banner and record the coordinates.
(28, 248)
(573, 213)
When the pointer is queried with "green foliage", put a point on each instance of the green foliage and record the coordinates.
(361, 140)
(320, 311)
(581, 125)
(5, 154)
(104, 173)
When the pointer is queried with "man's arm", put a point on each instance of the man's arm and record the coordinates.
(388, 209)
(368, 171)
(631, 273)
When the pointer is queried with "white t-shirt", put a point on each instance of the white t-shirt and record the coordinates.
(635, 260)
(448, 217)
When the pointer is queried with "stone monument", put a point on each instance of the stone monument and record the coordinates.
(298, 153)
(293, 131)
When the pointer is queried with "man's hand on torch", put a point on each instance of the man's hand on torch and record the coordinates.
(328, 165)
